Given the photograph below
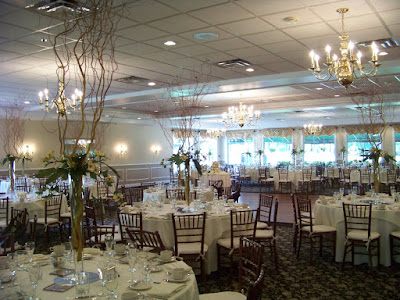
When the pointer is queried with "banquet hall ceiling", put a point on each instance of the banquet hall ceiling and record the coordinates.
(252, 30)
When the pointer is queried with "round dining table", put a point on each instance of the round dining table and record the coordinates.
(159, 195)
(158, 290)
(383, 221)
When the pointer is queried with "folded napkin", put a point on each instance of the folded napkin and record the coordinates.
(164, 290)
(176, 265)
(92, 251)
(39, 257)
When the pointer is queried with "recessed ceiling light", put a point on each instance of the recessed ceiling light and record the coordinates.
(169, 43)
(249, 70)
(139, 118)
(383, 53)
(319, 88)
(290, 20)
(156, 111)
(206, 106)
(336, 95)
(205, 36)
(27, 102)
(328, 118)
(123, 107)
(43, 40)
(151, 83)
(107, 116)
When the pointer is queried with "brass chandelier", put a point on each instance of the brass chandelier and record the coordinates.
(61, 103)
(312, 128)
(344, 68)
(215, 133)
(239, 116)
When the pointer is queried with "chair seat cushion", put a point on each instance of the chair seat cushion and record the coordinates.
(191, 248)
(226, 243)
(65, 215)
(361, 235)
(223, 296)
(264, 234)
(262, 225)
(396, 234)
(319, 228)
(49, 221)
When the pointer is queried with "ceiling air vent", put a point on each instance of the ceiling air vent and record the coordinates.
(233, 64)
(59, 5)
(132, 79)
(384, 43)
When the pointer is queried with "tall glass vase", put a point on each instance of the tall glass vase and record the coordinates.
(376, 176)
(187, 182)
(23, 167)
(76, 200)
(11, 174)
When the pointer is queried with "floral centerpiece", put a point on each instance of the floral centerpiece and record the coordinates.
(259, 153)
(296, 152)
(343, 151)
(24, 157)
(374, 154)
(185, 157)
(74, 167)
(11, 159)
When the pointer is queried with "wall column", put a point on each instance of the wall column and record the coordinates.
(340, 142)
(222, 145)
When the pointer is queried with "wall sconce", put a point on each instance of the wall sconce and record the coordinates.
(27, 150)
(122, 150)
(156, 149)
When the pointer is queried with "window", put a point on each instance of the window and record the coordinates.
(397, 146)
(357, 142)
(278, 149)
(240, 151)
(208, 148)
(319, 148)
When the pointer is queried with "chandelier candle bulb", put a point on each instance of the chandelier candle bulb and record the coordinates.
(312, 59)
(328, 53)
(351, 47)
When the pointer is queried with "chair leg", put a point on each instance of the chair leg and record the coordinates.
(298, 248)
(203, 275)
(371, 264)
(311, 249)
(379, 252)
(320, 244)
(391, 250)
(344, 255)
(275, 255)
(218, 257)
(295, 238)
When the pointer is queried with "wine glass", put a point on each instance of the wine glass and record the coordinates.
(109, 241)
(67, 251)
(34, 276)
(111, 280)
(30, 248)
(12, 266)
(21, 258)
(102, 266)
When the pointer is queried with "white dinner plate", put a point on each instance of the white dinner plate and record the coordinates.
(184, 279)
(140, 286)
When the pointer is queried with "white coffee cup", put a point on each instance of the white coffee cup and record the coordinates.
(178, 273)
(245, 205)
(119, 249)
(58, 250)
(166, 255)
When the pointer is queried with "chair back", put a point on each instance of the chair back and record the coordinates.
(132, 194)
(346, 174)
(243, 223)
(146, 240)
(365, 175)
(102, 189)
(4, 203)
(242, 171)
(267, 173)
(53, 207)
(95, 232)
(15, 230)
(131, 221)
(146, 185)
(330, 172)
(179, 194)
(226, 191)
(304, 211)
(307, 173)
(295, 211)
(189, 229)
(265, 207)
(21, 185)
(262, 172)
(255, 289)
(250, 261)
(357, 217)
(391, 176)
(283, 174)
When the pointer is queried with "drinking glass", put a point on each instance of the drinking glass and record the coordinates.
(101, 270)
(82, 285)
(34, 276)
(68, 251)
(12, 266)
(21, 258)
(111, 280)
(30, 248)
(109, 240)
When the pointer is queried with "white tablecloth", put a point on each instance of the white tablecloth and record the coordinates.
(4, 185)
(383, 221)
(189, 290)
(159, 196)
(224, 176)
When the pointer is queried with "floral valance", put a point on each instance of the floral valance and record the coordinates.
(396, 127)
(363, 128)
(243, 134)
(277, 132)
(328, 130)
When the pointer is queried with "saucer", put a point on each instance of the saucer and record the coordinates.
(184, 279)
(140, 286)
(172, 259)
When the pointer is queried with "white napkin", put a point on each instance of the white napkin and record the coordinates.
(92, 251)
(39, 257)
(176, 265)
(164, 290)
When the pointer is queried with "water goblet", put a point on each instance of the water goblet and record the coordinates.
(34, 277)
(109, 241)
(30, 248)
(68, 251)
(111, 283)
(21, 258)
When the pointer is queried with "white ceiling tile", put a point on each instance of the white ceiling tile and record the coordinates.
(269, 37)
(263, 59)
(214, 57)
(141, 33)
(12, 67)
(283, 67)
(185, 5)
(194, 50)
(149, 10)
(303, 16)
(12, 32)
(229, 44)
(368, 34)
(121, 41)
(187, 63)
(180, 42)
(28, 20)
(164, 56)
(35, 39)
(248, 26)
(357, 23)
(125, 22)
(395, 29)
(284, 46)
(327, 12)
(6, 56)
(138, 49)
(321, 41)
(385, 5)
(391, 17)
(221, 34)
(246, 52)
(307, 31)
(263, 7)
(220, 14)
(19, 47)
(178, 24)
(6, 9)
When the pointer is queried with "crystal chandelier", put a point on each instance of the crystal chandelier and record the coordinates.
(60, 102)
(344, 68)
(312, 128)
(215, 133)
(240, 115)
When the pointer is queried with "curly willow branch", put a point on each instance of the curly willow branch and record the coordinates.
(12, 130)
